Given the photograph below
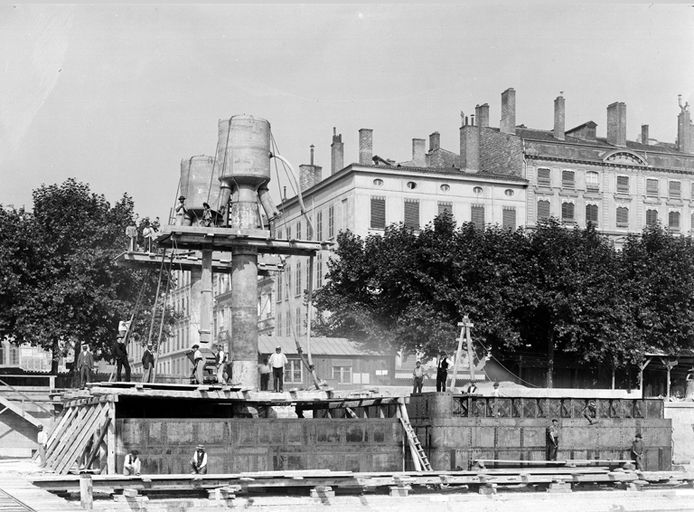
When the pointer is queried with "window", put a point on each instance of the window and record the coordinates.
(477, 190)
(378, 213)
(293, 372)
(592, 181)
(319, 226)
(411, 185)
(509, 218)
(543, 209)
(567, 213)
(298, 322)
(297, 280)
(345, 213)
(622, 184)
(319, 270)
(622, 217)
(509, 192)
(544, 177)
(288, 280)
(651, 217)
(412, 213)
(675, 190)
(445, 187)
(652, 187)
(567, 179)
(342, 374)
(477, 216)
(445, 207)
(278, 324)
(674, 221)
(279, 286)
(289, 232)
(14, 356)
(592, 214)
(331, 223)
(378, 182)
(298, 230)
(288, 324)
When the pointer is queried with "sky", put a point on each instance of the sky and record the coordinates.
(116, 95)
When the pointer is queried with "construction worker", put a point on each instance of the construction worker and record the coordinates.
(637, 450)
(198, 365)
(199, 461)
(120, 353)
(206, 215)
(277, 362)
(220, 361)
(418, 378)
(132, 464)
(42, 441)
(85, 363)
(147, 364)
(442, 372)
(182, 215)
(553, 440)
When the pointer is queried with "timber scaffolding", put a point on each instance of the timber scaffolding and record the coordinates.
(241, 430)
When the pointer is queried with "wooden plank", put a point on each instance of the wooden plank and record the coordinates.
(81, 432)
(73, 415)
(95, 449)
(64, 444)
(111, 441)
(83, 439)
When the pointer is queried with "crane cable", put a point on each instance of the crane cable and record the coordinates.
(163, 316)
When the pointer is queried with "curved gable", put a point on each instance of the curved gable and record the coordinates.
(624, 156)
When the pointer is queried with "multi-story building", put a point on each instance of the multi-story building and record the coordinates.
(366, 197)
(619, 185)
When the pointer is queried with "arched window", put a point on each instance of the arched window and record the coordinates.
(543, 211)
(651, 217)
(567, 213)
(592, 181)
(674, 221)
(592, 214)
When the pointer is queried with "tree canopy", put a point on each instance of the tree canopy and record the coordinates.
(546, 290)
(60, 282)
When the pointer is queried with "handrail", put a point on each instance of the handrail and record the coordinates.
(25, 396)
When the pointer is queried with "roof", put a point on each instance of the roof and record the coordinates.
(320, 346)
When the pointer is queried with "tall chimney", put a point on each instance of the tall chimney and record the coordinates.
(559, 117)
(617, 123)
(434, 141)
(482, 115)
(337, 153)
(419, 152)
(366, 146)
(644, 134)
(309, 174)
(685, 130)
(469, 148)
(508, 111)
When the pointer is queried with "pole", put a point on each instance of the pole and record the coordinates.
(86, 496)
(458, 351)
(470, 354)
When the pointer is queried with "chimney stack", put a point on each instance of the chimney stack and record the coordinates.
(337, 153)
(644, 134)
(366, 146)
(434, 141)
(309, 174)
(617, 123)
(685, 130)
(469, 148)
(419, 152)
(482, 115)
(559, 118)
(508, 111)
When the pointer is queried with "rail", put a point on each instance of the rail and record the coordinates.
(25, 396)
(524, 407)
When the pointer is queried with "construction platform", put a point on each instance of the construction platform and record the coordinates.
(190, 260)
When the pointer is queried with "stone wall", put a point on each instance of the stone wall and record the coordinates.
(500, 153)
(233, 445)
(682, 416)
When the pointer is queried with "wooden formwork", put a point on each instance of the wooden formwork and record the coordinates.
(84, 431)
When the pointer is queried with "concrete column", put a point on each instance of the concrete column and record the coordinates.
(206, 297)
(244, 316)
(366, 146)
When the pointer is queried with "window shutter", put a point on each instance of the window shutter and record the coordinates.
(622, 217)
(592, 213)
(445, 207)
(622, 184)
(652, 188)
(567, 212)
(477, 216)
(412, 213)
(567, 179)
(675, 189)
(543, 209)
(674, 220)
(378, 213)
(509, 218)
(544, 178)
(651, 217)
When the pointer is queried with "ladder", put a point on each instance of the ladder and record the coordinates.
(419, 457)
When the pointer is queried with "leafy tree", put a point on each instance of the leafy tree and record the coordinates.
(63, 282)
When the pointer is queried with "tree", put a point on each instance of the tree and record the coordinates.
(64, 282)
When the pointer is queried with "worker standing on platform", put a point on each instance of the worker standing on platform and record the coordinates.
(147, 364)
(278, 361)
(120, 353)
(206, 215)
(42, 441)
(265, 371)
(418, 378)
(553, 440)
(182, 215)
(220, 361)
(198, 365)
(637, 449)
(199, 461)
(85, 363)
(442, 373)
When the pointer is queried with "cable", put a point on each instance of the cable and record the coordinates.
(163, 316)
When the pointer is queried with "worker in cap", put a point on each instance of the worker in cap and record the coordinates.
(277, 362)
(442, 372)
(182, 215)
(637, 451)
(199, 461)
(85, 363)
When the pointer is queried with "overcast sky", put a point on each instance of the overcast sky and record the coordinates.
(117, 95)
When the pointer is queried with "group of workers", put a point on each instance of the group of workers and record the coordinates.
(132, 463)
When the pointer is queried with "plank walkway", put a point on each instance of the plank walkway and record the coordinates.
(17, 494)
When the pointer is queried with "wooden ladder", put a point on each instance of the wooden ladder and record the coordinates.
(419, 457)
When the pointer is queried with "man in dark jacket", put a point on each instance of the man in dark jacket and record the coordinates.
(85, 363)
(637, 450)
(442, 373)
(120, 353)
(147, 364)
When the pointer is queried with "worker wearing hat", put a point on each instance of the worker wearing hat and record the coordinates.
(85, 363)
(199, 461)
(277, 362)
(148, 364)
(183, 217)
(637, 451)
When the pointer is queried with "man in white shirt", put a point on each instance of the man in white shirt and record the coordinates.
(199, 461)
(132, 463)
(220, 360)
(42, 440)
(277, 362)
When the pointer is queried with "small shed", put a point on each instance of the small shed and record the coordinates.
(340, 362)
